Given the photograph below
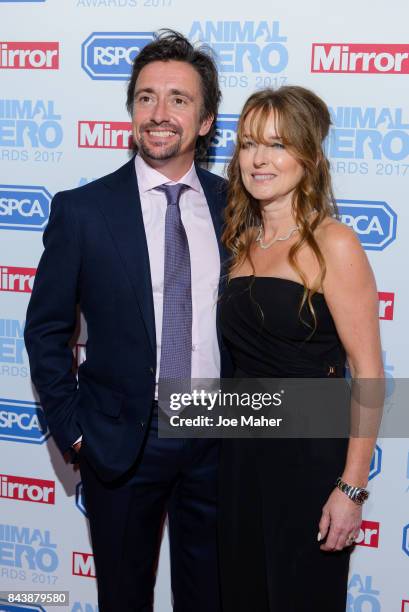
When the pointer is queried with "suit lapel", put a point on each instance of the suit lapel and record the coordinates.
(123, 213)
(215, 201)
(124, 217)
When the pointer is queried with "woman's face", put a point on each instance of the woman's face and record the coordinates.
(269, 172)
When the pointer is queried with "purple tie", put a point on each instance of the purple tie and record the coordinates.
(176, 352)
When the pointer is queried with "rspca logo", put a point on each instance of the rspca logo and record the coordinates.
(250, 46)
(376, 463)
(4, 605)
(108, 56)
(24, 207)
(405, 540)
(22, 422)
(224, 140)
(374, 222)
(80, 499)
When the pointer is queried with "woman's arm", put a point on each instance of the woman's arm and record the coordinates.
(350, 292)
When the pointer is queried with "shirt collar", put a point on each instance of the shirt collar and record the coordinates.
(149, 178)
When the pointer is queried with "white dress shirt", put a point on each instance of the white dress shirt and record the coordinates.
(204, 261)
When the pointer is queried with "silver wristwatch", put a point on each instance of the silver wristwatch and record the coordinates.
(356, 494)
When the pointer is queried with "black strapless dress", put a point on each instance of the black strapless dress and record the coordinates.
(272, 490)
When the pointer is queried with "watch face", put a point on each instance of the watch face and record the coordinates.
(362, 496)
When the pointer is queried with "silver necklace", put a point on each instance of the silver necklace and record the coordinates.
(277, 239)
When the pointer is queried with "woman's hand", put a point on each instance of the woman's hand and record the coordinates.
(340, 522)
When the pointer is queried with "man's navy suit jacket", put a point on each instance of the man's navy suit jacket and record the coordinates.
(96, 255)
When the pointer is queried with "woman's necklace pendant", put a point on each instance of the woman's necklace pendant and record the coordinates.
(278, 239)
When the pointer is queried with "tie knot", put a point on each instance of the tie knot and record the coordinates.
(173, 192)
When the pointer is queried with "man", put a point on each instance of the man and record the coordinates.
(138, 250)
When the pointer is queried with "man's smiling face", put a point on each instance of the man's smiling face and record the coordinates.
(167, 112)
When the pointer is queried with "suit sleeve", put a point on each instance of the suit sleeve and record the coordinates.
(51, 321)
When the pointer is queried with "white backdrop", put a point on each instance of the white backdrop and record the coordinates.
(63, 65)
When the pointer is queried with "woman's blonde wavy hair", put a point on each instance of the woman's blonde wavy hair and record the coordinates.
(302, 120)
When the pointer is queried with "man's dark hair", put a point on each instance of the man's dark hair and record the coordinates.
(170, 45)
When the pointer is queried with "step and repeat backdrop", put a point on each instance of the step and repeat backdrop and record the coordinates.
(63, 71)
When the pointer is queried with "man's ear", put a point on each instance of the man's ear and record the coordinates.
(206, 125)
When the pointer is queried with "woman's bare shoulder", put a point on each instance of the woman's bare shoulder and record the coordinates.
(336, 238)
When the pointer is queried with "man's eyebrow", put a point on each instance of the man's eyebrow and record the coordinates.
(173, 92)
(143, 89)
(181, 92)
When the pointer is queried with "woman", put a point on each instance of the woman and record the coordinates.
(300, 298)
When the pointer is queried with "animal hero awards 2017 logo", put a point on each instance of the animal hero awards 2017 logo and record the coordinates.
(249, 54)
(365, 140)
(28, 554)
(13, 354)
(84, 606)
(362, 595)
(109, 56)
(24, 207)
(30, 130)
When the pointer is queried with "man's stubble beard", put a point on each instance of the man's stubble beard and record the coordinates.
(158, 153)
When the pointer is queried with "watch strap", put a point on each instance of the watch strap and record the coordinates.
(356, 494)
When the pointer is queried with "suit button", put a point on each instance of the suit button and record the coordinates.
(142, 424)
(151, 370)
